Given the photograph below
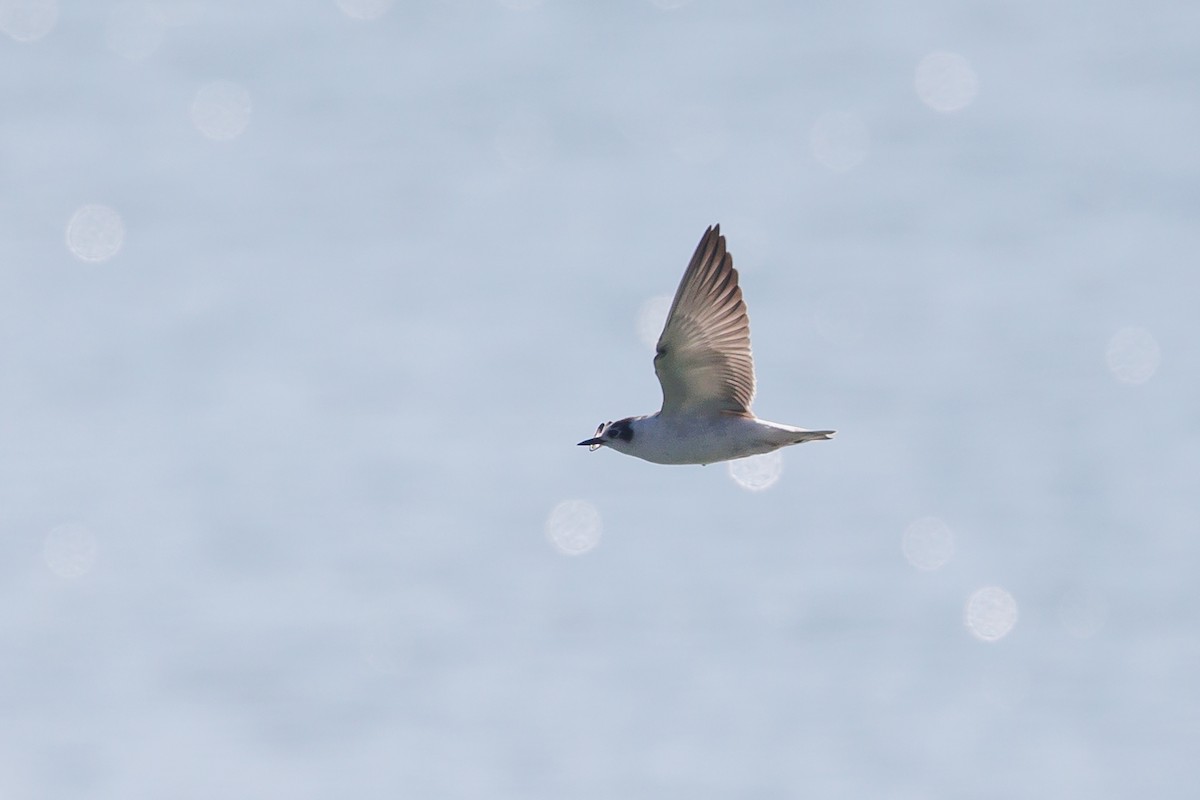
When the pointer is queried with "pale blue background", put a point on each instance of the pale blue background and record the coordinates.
(317, 409)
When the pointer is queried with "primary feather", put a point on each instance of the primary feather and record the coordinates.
(703, 361)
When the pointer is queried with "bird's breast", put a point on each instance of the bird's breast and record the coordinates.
(696, 439)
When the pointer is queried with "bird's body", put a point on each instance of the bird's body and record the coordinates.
(707, 375)
(706, 439)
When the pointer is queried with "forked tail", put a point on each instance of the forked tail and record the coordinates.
(811, 436)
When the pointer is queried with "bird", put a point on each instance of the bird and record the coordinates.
(704, 365)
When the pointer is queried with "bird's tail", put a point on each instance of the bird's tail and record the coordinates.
(801, 436)
(775, 435)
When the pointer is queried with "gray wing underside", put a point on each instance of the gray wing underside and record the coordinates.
(703, 360)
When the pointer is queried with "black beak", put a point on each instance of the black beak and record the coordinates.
(591, 443)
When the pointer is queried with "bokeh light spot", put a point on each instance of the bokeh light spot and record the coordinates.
(651, 318)
(364, 9)
(95, 233)
(927, 543)
(70, 550)
(134, 30)
(1133, 355)
(28, 20)
(221, 110)
(757, 473)
(573, 527)
(991, 613)
(946, 82)
(839, 140)
(1082, 613)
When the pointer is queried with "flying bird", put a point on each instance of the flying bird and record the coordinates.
(707, 375)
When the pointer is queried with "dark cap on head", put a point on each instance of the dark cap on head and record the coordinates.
(607, 431)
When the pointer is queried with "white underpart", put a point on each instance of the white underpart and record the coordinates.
(705, 439)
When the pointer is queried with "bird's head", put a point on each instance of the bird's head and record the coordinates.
(613, 434)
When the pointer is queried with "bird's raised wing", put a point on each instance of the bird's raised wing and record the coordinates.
(703, 360)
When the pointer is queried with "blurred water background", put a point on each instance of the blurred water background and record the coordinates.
(304, 305)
